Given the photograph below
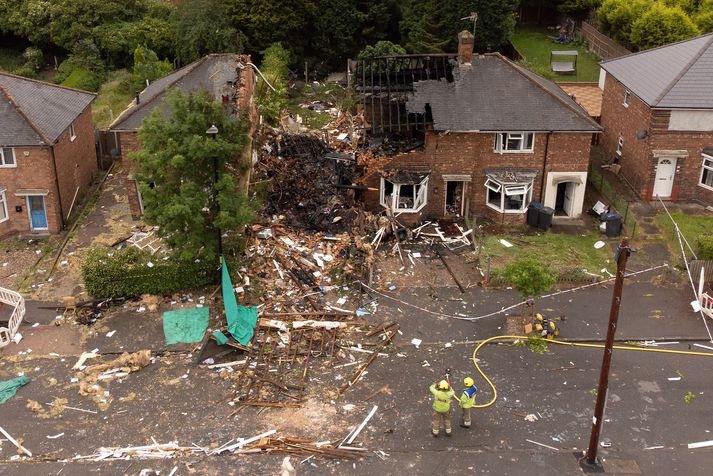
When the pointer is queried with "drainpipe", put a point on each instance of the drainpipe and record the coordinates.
(56, 183)
(544, 168)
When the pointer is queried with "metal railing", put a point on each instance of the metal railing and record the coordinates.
(11, 298)
(616, 201)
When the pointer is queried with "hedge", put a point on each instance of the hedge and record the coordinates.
(127, 273)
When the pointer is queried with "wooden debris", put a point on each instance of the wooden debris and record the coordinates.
(15, 442)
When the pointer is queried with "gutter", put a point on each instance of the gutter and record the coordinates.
(56, 184)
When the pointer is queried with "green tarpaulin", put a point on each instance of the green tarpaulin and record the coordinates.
(241, 320)
(8, 388)
(185, 325)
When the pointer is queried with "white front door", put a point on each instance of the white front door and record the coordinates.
(665, 172)
(569, 198)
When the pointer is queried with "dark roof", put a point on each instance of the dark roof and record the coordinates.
(37, 113)
(679, 75)
(210, 73)
(495, 94)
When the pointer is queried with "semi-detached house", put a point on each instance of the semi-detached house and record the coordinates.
(495, 137)
(47, 154)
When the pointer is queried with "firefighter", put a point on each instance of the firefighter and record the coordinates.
(441, 407)
(467, 400)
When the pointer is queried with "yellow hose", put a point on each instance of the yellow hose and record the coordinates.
(571, 344)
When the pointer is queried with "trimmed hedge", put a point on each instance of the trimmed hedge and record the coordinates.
(126, 273)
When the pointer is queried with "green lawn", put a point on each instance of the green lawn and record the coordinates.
(533, 43)
(305, 93)
(568, 255)
(692, 226)
(114, 96)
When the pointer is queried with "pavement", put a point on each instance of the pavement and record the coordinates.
(647, 427)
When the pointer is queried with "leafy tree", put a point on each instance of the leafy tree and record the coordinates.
(147, 67)
(381, 48)
(529, 277)
(704, 16)
(116, 40)
(202, 27)
(578, 9)
(662, 25)
(429, 26)
(274, 67)
(616, 17)
(175, 171)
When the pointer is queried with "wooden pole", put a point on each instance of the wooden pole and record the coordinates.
(622, 255)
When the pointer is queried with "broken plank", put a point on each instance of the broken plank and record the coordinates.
(363, 424)
(14, 442)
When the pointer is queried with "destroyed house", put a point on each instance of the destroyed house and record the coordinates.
(227, 77)
(483, 136)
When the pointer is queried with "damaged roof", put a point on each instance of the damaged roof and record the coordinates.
(210, 73)
(679, 75)
(37, 113)
(495, 94)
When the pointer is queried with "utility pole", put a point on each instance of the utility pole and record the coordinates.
(622, 255)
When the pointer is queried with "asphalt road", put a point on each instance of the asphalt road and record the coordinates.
(648, 422)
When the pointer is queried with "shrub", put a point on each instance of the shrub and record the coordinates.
(126, 273)
(704, 246)
(529, 277)
(662, 25)
(81, 78)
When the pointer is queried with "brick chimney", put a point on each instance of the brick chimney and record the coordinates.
(465, 47)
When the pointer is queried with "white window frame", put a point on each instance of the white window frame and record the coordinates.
(503, 138)
(72, 133)
(420, 197)
(508, 189)
(620, 145)
(2, 157)
(3, 199)
(627, 97)
(707, 165)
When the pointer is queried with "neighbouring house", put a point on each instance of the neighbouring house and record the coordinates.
(657, 114)
(228, 77)
(481, 136)
(47, 154)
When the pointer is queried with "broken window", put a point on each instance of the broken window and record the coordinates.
(508, 197)
(707, 172)
(404, 197)
(3, 205)
(514, 142)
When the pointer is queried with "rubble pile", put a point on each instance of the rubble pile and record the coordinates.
(309, 185)
(296, 269)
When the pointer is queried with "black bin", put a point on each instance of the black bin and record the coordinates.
(533, 213)
(544, 221)
(613, 224)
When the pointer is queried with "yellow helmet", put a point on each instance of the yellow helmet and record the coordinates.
(468, 382)
(443, 385)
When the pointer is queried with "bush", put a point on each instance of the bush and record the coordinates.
(126, 273)
(704, 246)
(662, 25)
(81, 78)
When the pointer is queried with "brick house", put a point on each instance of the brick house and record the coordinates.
(495, 137)
(47, 154)
(227, 77)
(657, 114)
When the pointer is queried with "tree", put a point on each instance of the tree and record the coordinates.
(578, 9)
(704, 16)
(274, 67)
(433, 26)
(147, 67)
(662, 25)
(616, 17)
(529, 277)
(202, 27)
(175, 171)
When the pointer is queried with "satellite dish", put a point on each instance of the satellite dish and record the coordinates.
(642, 134)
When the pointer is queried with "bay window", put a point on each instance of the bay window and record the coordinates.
(403, 194)
(509, 192)
(707, 172)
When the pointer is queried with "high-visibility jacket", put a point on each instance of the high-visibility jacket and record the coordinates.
(467, 400)
(442, 399)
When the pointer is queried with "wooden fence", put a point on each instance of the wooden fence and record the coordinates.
(695, 266)
(600, 44)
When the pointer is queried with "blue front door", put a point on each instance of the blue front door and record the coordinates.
(38, 216)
